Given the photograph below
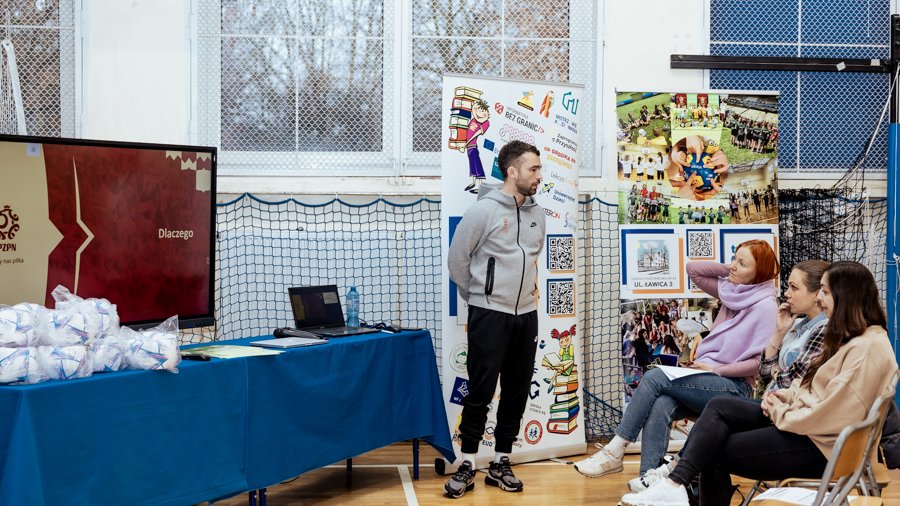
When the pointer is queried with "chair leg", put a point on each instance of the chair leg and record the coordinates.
(757, 487)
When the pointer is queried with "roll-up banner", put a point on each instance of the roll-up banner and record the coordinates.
(479, 116)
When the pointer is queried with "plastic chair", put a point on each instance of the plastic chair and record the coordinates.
(848, 460)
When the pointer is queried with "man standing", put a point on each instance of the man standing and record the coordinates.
(493, 261)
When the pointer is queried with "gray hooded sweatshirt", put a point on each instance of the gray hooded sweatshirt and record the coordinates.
(494, 252)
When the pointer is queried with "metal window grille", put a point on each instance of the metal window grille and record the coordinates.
(312, 87)
(542, 40)
(825, 119)
(297, 86)
(42, 33)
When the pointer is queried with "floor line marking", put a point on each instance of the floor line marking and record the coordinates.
(408, 488)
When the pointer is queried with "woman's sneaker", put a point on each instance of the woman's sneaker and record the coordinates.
(661, 493)
(599, 464)
(462, 481)
(646, 480)
(500, 475)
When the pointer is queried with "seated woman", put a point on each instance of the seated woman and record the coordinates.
(796, 341)
(731, 351)
(792, 432)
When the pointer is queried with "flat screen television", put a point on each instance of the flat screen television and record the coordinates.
(131, 223)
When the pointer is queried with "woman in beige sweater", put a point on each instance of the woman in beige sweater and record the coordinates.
(792, 432)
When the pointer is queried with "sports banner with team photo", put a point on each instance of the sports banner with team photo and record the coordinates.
(480, 115)
(697, 175)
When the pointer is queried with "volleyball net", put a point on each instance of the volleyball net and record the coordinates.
(391, 251)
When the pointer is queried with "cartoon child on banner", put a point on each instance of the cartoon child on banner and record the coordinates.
(478, 126)
(562, 364)
(563, 385)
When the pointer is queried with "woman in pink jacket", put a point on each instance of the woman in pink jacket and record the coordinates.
(746, 319)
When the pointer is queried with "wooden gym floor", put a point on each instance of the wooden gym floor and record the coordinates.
(384, 477)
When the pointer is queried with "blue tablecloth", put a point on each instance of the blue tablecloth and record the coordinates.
(217, 428)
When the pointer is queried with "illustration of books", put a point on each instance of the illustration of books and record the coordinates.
(464, 99)
(564, 411)
(465, 91)
(552, 361)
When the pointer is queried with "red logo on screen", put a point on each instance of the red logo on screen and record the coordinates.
(8, 223)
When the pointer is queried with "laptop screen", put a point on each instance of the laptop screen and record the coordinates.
(316, 306)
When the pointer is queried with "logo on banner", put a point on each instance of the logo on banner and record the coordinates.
(510, 133)
(458, 357)
(460, 390)
(566, 123)
(9, 224)
(556, 176)
(570, 103)
(565, 142)
(498, 107)
(489, 430)
(526, 100)
(521, 118)
(533, 432)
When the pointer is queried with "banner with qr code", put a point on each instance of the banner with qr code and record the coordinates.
(479, 116)
(697, 176)
(695, 172)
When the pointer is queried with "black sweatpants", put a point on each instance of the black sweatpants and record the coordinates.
(500, 345)
(733, 436)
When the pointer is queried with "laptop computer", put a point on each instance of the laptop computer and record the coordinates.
(289, 342)
(318, 309)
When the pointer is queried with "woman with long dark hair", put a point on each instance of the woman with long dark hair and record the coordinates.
(792, 432)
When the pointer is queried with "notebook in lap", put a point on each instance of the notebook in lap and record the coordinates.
(318, 309)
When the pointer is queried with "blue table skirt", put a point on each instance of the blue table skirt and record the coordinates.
(216, 428)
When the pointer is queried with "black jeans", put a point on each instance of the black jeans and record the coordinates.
(499, 344)
(733, 436)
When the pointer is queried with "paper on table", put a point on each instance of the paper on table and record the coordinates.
(679, 372)
(232, 351)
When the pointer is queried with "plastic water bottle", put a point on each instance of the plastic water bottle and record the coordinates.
(353, 307)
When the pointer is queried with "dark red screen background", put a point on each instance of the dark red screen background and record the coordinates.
(127, 195)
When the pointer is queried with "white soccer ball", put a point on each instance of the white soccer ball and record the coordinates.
(67, 327)
(65, 362)
(20, 365)
(17, 327)
(163, 346)
(109, 316)
(107, 355)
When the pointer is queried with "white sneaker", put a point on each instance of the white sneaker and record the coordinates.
(652, 476)
(599, 464)
(646, 480)
(661, 493)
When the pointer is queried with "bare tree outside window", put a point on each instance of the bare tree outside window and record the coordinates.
(43, 36)
(302, 76)
(312, 86)
(523, 39)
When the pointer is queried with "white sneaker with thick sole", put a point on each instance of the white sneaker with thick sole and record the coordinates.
(599, 464)
(661, 493)
(646, 480)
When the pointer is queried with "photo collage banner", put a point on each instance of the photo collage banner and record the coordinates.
(480, 115)
(697, 176)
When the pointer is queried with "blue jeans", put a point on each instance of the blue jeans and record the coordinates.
(658, 401)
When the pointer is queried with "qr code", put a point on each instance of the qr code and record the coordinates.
(561, 297)
(700, 244)
(560, 252)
